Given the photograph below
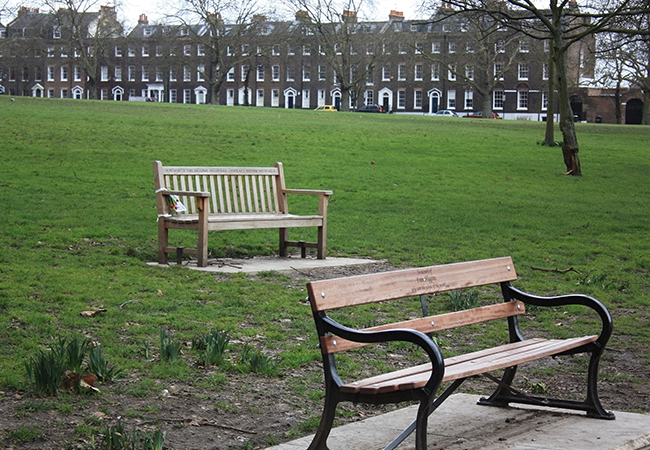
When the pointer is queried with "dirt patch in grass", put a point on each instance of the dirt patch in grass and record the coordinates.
(247, 411)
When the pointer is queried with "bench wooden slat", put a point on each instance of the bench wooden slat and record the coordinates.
(415, 371)
(467, 365)
(363, 289)
(333, 344)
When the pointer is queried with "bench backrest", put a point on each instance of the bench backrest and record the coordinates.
(338, 293)
(233, 190)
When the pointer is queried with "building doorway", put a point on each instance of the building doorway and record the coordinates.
(576, 107)
(634, 112)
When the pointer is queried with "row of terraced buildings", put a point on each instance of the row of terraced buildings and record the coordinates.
(405, 66)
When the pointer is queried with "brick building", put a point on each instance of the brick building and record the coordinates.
(405, 66)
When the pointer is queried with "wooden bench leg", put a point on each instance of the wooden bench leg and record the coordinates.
(203, 233)
(163, 237)
(284, 237)
(322, 242)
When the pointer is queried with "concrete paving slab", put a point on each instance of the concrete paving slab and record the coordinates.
(461, 424)
(277, 264)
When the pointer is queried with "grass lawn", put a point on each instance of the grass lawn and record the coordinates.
(79, 220)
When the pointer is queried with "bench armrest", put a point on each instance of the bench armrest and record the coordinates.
(400, 334)
(323, 198)
(572, 299)
(308, 191)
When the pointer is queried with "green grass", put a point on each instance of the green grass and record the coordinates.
(79, 220)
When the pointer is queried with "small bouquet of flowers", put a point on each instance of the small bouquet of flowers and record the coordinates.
(175, 205)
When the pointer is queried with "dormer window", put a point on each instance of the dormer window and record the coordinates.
(56, 32)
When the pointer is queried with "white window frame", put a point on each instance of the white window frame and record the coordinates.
(522, 100)
(451, 73)
(451, 99)
(523, 72)
(418, 72)
(401, 72)
(469, 72)
(418, 101)
(498, 99)
(469, 99)
(401, 99)
(385, 73)
(435, 72)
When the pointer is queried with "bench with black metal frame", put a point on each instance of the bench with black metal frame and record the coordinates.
(422, 382)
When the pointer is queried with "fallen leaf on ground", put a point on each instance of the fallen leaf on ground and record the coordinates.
(92, 313)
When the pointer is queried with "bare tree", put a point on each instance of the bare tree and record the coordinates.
(484, 52)
(224, 29)
(90, 34)
(564, 25)
(342, 41)
(626, 55)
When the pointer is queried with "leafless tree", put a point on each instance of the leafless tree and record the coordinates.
(225, 30)
(342, 41)
(90, 30)
(564, 25)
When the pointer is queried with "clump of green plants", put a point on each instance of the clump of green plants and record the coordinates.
(170, 348)
(535, 387)
(98, 365)
(211, 347)
(257, 361)
(66, 365)
(463, 299)
(115, 437)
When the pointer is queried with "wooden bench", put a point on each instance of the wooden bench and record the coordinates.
(422, 382)
(231, 198)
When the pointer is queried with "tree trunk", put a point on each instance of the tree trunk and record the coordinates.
(215, 89)
(487, 105)
(570, 146)
(345, 98)
(645, 120)
(617, 102)
(549, 137)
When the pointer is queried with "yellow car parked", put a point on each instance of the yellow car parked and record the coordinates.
(326, 108)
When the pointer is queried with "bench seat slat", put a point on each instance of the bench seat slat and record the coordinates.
(467, 365)
(248, 221)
